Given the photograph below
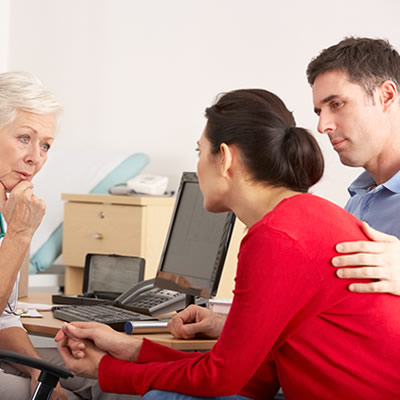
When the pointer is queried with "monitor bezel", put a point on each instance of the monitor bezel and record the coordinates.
(176, 282)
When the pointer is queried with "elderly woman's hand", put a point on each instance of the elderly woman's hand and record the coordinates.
(378, 260)
(23, 211)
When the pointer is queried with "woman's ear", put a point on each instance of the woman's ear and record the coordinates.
(226, 158)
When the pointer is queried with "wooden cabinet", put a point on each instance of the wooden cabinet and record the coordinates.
(127, 225)
(108, 224)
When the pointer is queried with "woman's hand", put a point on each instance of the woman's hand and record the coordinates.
(117, 344)
(22, 210)
(379, 260)
(87, 365)
(195, 320)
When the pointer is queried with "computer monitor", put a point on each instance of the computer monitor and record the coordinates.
(196, 245)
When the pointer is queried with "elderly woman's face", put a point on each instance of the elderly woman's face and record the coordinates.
(23, 147)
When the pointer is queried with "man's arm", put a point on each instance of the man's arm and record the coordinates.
(23, 212)
(378, 260)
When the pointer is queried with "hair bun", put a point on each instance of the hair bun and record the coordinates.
(289, 130)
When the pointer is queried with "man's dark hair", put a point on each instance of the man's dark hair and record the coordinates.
(367, 62)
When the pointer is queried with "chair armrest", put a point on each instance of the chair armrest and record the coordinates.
(34, 363)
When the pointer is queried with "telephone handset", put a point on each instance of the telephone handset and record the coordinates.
(147, 299)
(135, 290)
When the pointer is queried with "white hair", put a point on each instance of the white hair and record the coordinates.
(23, 91)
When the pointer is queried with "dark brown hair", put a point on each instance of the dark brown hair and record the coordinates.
(274, 150)
(368, 62)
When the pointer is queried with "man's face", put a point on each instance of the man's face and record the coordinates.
(352, 120)
(23, 147)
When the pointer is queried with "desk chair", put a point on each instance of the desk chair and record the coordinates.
(48, 378)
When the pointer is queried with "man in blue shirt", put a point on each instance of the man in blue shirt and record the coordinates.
(376, 205)
(356, 85)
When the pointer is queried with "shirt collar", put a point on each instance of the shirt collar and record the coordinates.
(365, 181)
(2, 232)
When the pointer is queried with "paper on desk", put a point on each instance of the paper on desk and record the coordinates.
(29, 312)
(39, 307)
(220, 306)
(31, 309)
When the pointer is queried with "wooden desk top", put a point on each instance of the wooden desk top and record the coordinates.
(115, 199)
(49, 326)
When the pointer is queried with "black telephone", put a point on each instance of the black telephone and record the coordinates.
(141, 302)
(147, 299)
(143, 298)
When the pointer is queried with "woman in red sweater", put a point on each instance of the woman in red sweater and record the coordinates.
(291, 321)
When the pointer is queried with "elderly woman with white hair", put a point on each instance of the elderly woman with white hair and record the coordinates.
(28, 119)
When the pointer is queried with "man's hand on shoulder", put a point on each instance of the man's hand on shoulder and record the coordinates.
(195, 320)
(378, 260)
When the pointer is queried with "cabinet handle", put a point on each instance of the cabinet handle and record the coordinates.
(101, 214)
(97, 236)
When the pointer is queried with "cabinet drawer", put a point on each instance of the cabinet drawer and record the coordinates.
(101, 228)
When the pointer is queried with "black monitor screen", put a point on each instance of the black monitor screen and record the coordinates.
(196, 244)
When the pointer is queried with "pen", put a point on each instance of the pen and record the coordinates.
(145, 326)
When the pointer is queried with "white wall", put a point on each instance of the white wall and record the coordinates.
(138, 74)
(4, 33)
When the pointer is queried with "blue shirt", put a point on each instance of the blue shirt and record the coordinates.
(378, 206)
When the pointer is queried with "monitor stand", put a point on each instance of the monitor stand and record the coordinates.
(189, 299)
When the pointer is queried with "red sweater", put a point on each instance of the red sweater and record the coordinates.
(292, 321)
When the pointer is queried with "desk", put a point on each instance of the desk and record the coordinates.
(49, 326)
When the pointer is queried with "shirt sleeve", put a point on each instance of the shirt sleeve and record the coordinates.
(275, 292)
(151, 351)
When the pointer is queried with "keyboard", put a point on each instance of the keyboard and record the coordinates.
(106, 314)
